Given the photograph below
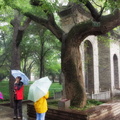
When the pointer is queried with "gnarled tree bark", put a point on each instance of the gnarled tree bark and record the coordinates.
(72, 70)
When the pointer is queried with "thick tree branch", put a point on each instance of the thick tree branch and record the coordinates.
(96, 4)
(14, 23)
(79, 32)
(51, 17)
(102, 9)
(21, 30)
(95, 14)
(39, 20)
(51, 25)
(93, 11)
(25, 25)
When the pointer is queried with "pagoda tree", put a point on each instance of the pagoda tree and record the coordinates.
(106, 15)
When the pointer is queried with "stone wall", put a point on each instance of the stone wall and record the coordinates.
(67, 22)
(104, 66)
(114, 50)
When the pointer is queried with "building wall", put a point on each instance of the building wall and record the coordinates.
(67, 22)
(114, 50)
(104, 66)
(94, 43)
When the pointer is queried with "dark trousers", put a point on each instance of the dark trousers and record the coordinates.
(18, 108)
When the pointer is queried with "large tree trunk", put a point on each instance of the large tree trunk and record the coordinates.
(41, 67)
(72, 70)
(15, 64)
(15, 60)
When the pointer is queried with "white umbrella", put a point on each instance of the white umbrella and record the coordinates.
(39, 88)
(16, 73)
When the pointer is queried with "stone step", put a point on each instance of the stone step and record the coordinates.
(109, 110)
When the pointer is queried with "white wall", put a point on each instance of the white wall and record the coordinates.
(114, 49)
(94, 43)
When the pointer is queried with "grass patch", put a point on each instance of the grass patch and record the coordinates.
(90, 103)
(55, 87)
(53, 103)
(4, 88)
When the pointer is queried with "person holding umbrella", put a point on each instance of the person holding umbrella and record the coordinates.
(20, 80)
(38, 93)
(41, 107)
(18, 97)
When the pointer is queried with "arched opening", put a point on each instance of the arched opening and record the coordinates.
(89, 70)
(116, 76)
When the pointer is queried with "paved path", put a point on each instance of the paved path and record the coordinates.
(6, 113)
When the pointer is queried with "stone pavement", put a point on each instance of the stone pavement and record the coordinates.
(6, 113)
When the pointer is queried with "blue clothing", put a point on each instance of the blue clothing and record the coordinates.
(40, 116)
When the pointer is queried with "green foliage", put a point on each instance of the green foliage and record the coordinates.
(113, 4)
(4, 73)
(55, 87)
(40, 44)
(90, 103)
(47, 6)
(52, 6)
(4, 88)
(53, 103)
(94, 102)
(5, 41)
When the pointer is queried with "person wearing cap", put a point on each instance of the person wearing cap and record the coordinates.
(18, 97)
